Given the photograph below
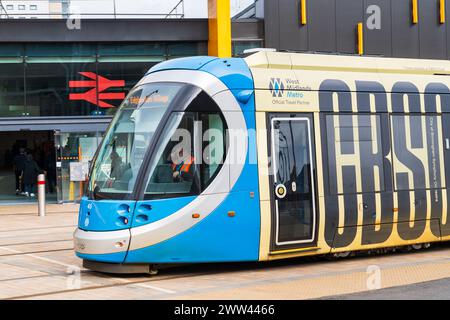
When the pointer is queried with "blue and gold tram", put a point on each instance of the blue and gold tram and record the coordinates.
(273, 156)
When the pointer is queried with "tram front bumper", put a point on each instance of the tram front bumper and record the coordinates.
(106, 246)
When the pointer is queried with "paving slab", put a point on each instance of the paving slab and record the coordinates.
(37, 262)
(37, 247)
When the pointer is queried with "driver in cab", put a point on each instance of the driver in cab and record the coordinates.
(182, 166)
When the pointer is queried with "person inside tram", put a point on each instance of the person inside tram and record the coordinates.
(182, 170)
(116, 165)
(181, 162)
(173, 167)
(119, 175)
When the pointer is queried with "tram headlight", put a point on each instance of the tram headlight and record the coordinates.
(119, 244)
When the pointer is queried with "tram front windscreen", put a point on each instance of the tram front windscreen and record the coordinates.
(127, 140)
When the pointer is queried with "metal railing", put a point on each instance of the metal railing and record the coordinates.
(174, 11)
(92, 9)
(3, 12)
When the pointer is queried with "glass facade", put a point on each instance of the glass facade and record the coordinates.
(128, 72)
(12, 90)
(48, 92)
(74, 79)
(239, 46)
(66, 80)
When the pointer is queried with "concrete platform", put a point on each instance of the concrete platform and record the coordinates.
(37, 262)
(437, 290)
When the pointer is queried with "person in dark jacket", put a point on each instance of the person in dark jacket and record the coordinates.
(29, 176)
(19, 163)
(116, 165)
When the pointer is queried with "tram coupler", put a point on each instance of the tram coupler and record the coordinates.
(120, 268)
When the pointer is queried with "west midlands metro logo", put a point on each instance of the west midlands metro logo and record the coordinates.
(276, 87)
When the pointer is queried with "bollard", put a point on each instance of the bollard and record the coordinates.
(41, 194)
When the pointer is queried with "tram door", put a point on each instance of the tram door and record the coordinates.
(292, 156)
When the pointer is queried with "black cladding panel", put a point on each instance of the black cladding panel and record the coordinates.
(447, 25)
(272, 24)
(332, 27)
(405, 34)
(293, 35)
(322, 25)
(432, 32)
(348, 14)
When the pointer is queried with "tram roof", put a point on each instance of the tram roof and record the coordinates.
(307, 71)
(346, 63)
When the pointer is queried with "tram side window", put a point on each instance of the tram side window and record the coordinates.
(417, 152)
(175, 172)
(189, 158)
(213, 147)
(355, 159)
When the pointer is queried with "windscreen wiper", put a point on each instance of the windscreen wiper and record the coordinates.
(148, 96)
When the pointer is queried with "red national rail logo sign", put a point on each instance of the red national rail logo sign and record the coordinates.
(96, 95)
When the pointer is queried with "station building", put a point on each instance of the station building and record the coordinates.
(59, 88)
(390, 28)
(60, 84)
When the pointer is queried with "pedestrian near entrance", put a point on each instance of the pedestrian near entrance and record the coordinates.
(19, 165)
(29, 176)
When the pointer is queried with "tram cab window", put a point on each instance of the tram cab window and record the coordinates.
(175, 172)
(122, 152)
(189, 156)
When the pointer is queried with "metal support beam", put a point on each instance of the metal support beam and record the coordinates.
(219, 22)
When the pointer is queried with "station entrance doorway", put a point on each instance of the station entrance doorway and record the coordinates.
(62, 150)
(15, 148)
